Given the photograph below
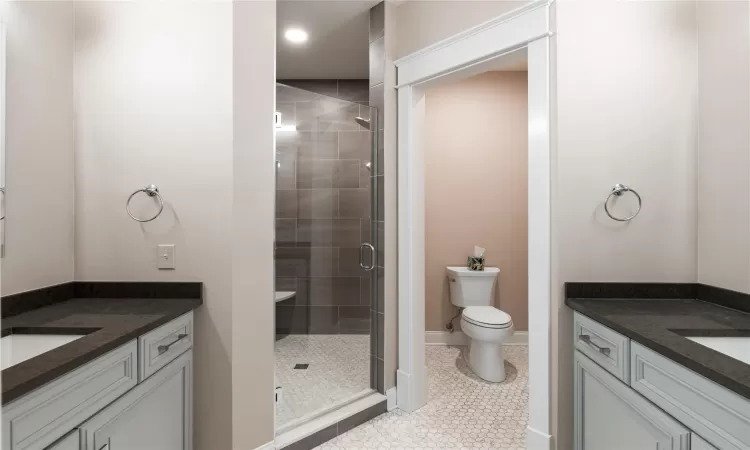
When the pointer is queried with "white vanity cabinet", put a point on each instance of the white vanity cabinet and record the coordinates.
(628, 397)
(71, 441)
(155, 415)
(111, 403)
(612, 416)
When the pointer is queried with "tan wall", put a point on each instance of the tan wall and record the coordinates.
(422, 23)
(476, 189)
(39, 222)
(154, 104)
(626, 113)
(724, 164)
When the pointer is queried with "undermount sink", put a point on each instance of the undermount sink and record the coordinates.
(17, 348)
(284, 295)
(735, 347)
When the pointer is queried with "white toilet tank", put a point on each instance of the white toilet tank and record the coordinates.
(472, 287)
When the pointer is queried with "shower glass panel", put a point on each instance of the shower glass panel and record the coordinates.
(325, 246)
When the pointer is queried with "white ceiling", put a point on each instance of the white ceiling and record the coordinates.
(338, 42)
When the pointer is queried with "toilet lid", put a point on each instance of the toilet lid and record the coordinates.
(487, 316)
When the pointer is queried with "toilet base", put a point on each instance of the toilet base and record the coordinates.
(486, 360)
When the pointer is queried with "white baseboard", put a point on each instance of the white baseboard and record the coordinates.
(391, 396)
(518, 338)
(536, 440)
(445, 338)
(459, 338)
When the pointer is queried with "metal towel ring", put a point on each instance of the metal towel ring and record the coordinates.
(152, 191)
(618, 190)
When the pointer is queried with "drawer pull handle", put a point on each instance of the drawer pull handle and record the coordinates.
(587, 339)
(164, 348)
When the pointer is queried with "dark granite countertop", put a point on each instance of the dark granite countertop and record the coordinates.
(661, 324)
(107, 322)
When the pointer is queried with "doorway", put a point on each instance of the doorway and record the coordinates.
(487, 47)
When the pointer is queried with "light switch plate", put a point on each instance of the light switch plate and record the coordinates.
(165, 256)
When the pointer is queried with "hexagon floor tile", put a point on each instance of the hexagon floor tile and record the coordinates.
(463, 411)
(339, 367)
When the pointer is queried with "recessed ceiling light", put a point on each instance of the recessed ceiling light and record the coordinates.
(296, 35)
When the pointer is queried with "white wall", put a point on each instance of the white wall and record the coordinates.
(253, 330)
(422, 23)
(724, 163)
(154, 104)
(39, 224)
(626, 113)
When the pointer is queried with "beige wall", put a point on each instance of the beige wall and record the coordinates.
(626, 113)
(154, 104)
(422, 23)
(39, 145)
(476, 189)
(724, 163)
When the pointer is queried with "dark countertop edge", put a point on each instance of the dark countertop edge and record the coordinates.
(662, 291)
(35, 382)
(21, 302)
(690, 364)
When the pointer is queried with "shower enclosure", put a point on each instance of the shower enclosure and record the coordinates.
(325, 252)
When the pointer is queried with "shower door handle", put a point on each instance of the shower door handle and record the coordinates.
(362, 264)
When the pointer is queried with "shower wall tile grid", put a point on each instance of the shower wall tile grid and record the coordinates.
(337, 371)
(323, 210)
(463, 411)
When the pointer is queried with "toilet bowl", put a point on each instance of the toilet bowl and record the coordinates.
(486, 326)
(487, 329)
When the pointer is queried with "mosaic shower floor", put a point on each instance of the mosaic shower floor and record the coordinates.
(463, 412)
(338, 368)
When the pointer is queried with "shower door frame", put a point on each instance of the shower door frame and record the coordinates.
(468, 53)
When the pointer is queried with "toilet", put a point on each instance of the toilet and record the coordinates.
(486, 326)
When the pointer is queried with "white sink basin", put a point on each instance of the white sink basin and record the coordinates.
(17, 348)
(736, 347)
(284, 295)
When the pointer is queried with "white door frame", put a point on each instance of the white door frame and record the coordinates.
(471, 52)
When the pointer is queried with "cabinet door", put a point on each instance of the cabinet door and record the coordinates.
(72, 441)
(609, 415)
(697, 443)
(155, 415)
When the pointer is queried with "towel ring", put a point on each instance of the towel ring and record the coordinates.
(152, 191)
(618, 190)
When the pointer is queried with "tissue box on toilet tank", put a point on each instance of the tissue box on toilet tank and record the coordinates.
(476, 262)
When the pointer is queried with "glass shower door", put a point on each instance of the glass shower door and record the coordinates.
(325, 252)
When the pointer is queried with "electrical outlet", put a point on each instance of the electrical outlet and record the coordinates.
(165, 256)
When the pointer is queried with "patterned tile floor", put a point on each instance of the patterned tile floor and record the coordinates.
(463, 412)
(339, 367)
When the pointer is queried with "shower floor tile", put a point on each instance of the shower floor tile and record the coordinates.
(338, 368)
(463, 411)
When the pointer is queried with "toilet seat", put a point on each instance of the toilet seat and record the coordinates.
(487, 317)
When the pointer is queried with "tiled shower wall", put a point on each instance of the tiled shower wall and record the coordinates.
(322, 208)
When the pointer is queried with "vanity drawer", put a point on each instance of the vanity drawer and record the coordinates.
(43, 416)
(162, 345)
(606, 347)
(717, 414)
